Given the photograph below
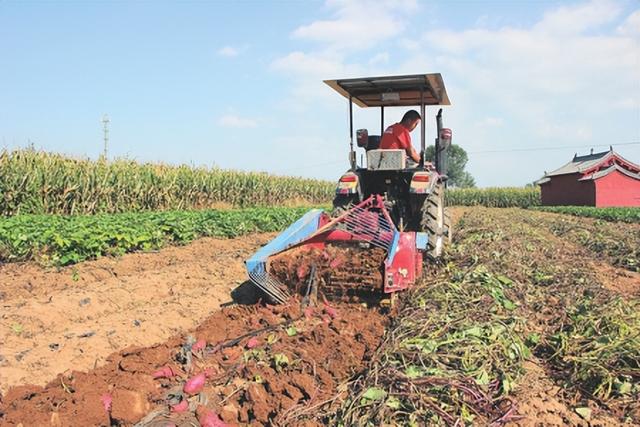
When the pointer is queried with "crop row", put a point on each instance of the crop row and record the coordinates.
(63, 240)
(34, 182)
(453, 355)
(607, 214)
(506, 197)
(587, 334)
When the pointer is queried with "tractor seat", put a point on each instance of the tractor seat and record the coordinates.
(373, 142)
(381, 160)
(366, 141)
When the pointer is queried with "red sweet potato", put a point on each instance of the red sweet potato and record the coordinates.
(180, 407)
(195, 384)
(164, 372)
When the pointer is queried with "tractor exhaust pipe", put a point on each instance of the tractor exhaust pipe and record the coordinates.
(443, 142)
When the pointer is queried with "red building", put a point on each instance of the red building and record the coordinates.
(597, 179)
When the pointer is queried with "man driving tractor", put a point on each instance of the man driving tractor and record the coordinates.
(397, 136)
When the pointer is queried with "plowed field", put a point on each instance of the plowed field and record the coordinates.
(81, 346)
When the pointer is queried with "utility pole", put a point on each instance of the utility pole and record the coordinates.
(105, 129)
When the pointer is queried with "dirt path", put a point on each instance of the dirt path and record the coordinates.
(54, 321)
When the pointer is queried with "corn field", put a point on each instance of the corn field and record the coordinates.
(494, 197)
(35, 182)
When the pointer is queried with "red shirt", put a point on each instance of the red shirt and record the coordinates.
(396, 137)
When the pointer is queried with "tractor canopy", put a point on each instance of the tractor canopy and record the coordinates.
(393, 91)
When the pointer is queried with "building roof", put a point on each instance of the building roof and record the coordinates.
(393, 91)
(580, 164)
(594, 161)
(593, 166)
(604, 172)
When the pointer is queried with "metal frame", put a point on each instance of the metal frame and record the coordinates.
(418, 90)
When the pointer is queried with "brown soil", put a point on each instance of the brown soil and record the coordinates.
(619, 280)
(340, 269)
(288, 372)
(540, 403)
(53, 321)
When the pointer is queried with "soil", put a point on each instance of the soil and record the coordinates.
(73, 318)
(94, 329)
(540, 403)
(279, 376)
(340, 269)
(557, 270)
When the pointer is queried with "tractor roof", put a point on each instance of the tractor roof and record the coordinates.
(393, 91)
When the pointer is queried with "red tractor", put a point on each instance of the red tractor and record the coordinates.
(389, 216)
(413, 193)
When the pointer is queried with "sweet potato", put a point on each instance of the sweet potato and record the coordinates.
(199, 345)
(208, 418)
(106, 400)
(180, 407)
(195, 384)
(164, 372)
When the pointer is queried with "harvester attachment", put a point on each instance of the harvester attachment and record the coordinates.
(359, 253)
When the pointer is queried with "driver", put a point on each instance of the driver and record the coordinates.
(397, 136)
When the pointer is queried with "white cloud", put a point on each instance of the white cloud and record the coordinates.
(234, 121)
(355, 26)
(380, 58)
(558, 81)
(358, 24)
(580, 17)
(228, 51)
(537, 70)
(631, 26)
(554, 82)
(324, 64)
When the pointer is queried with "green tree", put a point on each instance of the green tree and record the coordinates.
(456, 161)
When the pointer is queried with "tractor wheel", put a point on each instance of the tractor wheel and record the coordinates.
(433, 221)
(341, 204)
(448, 227)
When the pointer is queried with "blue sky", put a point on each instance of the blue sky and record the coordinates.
(239, 84)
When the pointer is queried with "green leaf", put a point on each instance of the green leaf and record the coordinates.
(475, 331)
(425, 345)
(624, 387)
(413, 372)
(482, 378)
(280, 360)
(508, 304)
(504, 280)
(393, 402)
(374, 393)
(584, 412)
(17, 328)
(533, 339)
(291, 331)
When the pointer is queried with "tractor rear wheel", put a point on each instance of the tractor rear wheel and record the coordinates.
(433, 221)
(448, 227)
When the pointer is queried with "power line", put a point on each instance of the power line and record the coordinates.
(551, 148)
(312, 166)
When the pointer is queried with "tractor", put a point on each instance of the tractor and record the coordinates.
(389, 218)
(413, 193)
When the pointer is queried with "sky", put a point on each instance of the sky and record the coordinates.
(238, 84)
